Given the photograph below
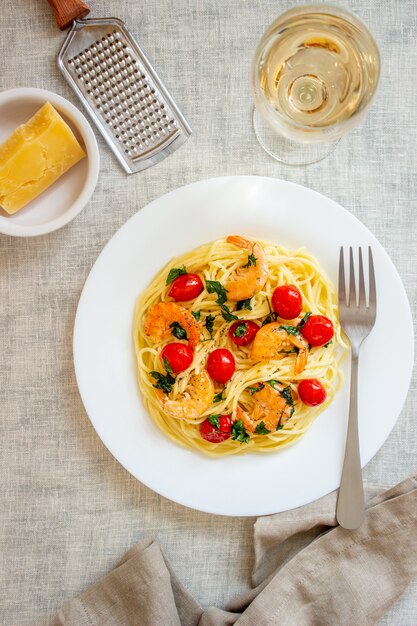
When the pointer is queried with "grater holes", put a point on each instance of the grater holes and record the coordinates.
(123, 95)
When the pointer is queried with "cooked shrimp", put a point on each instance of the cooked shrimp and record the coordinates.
(273, 342)
(192, 403)
(246, 281)
(160, 318)
(271, 408)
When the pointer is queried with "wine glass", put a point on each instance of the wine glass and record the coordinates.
(314, 74)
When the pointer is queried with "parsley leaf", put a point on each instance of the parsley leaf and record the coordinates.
(251, 260)
(167, 366)
(227, 314)
(218, 397)
(273, 383)
(244, 304)
(214, 420)
(174, 273)
(213, 286)
(240, 330)
(253, 390)
(303, 321)
(196, 315)
(326, 345)
(280, 427)
(163, 382)
(287, 395)
(239, 433)
(271, 317)
(261, 429)
(178, 331)
(290, 330)
(209, 324)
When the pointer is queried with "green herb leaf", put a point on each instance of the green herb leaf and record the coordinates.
(214, 420)
(244, 304)
(271, 317)
(174, 273)
(290, 330)
(218, 397)
(209, 324)
(240, 330)
(163, 382)
(287, 395)
(274, 383)
(227, 314)
(253, 390)
(251, 260)
(239, 433)
(261, 429)
(326, 345)
(303, 321)
(178, 331)
(267, 320)
(196, 315)
(213, 286)
(167, 366)
(280, 427)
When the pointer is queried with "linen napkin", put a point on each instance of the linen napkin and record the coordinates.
(308, 571)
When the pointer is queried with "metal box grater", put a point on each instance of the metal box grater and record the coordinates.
(122, 93)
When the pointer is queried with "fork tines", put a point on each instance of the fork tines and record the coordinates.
(350, 298)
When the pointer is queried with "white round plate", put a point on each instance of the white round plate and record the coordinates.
(251, 484)
(68, 195)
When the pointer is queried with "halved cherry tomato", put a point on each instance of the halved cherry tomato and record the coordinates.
(179, 356)
(210, 432)
(312, 392)
(221, 365)
(318, 330)
(186, 287)
(287, 302)
(245, 334)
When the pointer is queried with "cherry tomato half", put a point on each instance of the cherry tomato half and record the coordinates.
(179, 356)
(221, 365)
(243, 332)
(311, 392)
(210, 432)
(287, 302)
(186, 287)
(318, 330)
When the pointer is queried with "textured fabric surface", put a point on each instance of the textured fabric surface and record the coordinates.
(306, 572)
(68, 511)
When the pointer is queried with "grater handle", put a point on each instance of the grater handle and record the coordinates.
(66, 11)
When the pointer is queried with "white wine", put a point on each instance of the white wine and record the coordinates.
(314, 73)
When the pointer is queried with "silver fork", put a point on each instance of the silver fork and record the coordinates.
(357, 318)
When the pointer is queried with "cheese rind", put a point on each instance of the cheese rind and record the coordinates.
(35, 156)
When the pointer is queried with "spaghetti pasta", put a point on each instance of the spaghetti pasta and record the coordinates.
(218, 261)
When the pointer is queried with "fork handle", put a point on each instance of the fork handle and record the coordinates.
(67, 11)
(350, 509)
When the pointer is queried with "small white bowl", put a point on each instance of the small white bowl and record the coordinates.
(65, 198)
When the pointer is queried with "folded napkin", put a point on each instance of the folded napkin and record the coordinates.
(308, 571)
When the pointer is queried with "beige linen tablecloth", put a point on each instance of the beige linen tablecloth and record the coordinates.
(68, 511)
(308, 571)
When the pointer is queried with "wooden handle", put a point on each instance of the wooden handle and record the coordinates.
(66, 11)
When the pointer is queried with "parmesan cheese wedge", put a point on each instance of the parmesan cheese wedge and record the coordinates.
(35, 156)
